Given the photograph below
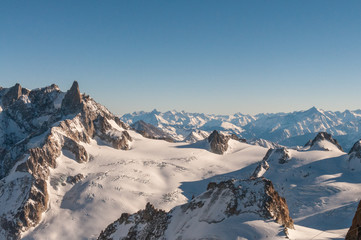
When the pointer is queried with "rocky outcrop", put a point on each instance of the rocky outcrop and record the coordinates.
(72, 100)
(354, 233)
(222, 201)
(324, 136)
(354, 160)
(254, 195)
(12, 95)
(273, 157)
(47, 122)
(117, 139)
(149, 223)
(149, 131)
(218, 142)
(78, 150)
(75, 179)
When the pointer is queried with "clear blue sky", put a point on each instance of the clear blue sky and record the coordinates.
(198, 56)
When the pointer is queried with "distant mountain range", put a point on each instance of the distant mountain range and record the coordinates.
(288, 129)
(70, 169)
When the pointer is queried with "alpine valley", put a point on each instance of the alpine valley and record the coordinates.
(70, 169)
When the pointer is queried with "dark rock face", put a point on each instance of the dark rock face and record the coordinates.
(72, 100)
(75, 179)
(354, 159)
(78, 150)
(119, 140)
(324, 136)
(255, 192)
(356, 150)
(150, 131)
(13, 94)
(41, 114)
(153, 222)
(354, 233)
(218, 142)
(221, 201)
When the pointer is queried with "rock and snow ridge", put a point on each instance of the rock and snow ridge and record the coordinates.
(66, 159)
(354, 160)
(209, 215)
(288, 129)
(150, 131)
(324, 141)
(37, 126)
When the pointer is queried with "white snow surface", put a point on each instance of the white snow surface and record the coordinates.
(119, 181)
(321, 192)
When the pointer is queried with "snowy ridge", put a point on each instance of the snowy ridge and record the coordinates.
(64, 175)
(210, 215)
(26, 167)
(288, 129)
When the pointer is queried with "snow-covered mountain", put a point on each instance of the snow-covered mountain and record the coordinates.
(224, 211)
(39, 126)
(289, 129)
(69, 168)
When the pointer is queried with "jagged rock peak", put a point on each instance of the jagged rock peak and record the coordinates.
(73, 99)
(254, 195)
(324, 136)
(356, 149)
(354, 160)
(221, 203)
(149, 223)
(12, 94)
(279, 155)
(53, 135)
(354, 233)
(218, 142)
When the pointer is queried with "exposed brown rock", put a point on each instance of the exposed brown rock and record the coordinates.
(78, 150)
(354, 233)
(324, 136)
(66, 135)
(75, 179)
(153, 223)
(72, 100)
(218, 142)
(119, 140)
(12, 95)
(230, 198)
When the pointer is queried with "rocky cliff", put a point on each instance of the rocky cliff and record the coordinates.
(37, 125)
(273, 157)
(323, 141)
(354, 233)
(221, 204)
(218, 142)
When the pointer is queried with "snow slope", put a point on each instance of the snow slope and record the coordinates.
(321, 192)
(124, 181)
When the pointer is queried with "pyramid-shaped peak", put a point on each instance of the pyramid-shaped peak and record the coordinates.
(313, 110)
(324, 136)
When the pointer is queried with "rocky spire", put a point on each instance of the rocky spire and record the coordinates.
(72, 100)
(354, 233)
(218, 142)
(12, 95)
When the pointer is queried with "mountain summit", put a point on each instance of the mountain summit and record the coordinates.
(37, 126)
